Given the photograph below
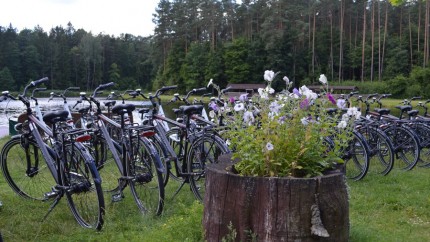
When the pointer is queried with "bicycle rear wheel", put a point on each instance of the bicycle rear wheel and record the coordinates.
(381, 151)
(406, 146)
(83, 187)
(204, 150)
(25, 169)
(146, 181)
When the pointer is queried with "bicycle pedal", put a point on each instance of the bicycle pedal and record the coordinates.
(50, 194)
(117, 197)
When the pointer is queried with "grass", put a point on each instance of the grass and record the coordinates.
(391, 208)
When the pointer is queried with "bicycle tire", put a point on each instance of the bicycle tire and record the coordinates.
(423, 133)
(83, 191)
(381, 150)
(406, 146)
(204, 150)
(173, 136)
(30, 183)
(356, 157)
(164, 155)
(106, 164)
(146, 184)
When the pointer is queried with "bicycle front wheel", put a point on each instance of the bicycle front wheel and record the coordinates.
(83, 187)
(146, 181)
(204, 150)
(25, 169)
(406, 146)
(356, 157)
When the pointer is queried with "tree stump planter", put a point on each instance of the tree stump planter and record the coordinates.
(275, 209)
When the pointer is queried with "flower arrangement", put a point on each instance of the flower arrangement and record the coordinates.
(283, 134)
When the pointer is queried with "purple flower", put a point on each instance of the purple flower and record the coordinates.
(295, 91)
(331, 98)
(213, 106)
(243, 97)
(231, 100)
(304, 104)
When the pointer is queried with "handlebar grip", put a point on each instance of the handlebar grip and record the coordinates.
(35, 83)
(168, 88)
(415, 98)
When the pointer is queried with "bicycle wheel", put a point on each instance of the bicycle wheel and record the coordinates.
(406, 146)
(25, 169)
(106, 164)
(356, 157)
(146, 184)
(173, 136)
(165, 156)
(83, 187)
(204, 150)
(381, 150)
(423, 133)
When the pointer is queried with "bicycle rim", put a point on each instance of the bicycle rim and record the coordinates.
(203, 151)
(30, 183)
(356, 158)
(84, 192)
(146, 184)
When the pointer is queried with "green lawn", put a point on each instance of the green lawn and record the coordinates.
(391, 208)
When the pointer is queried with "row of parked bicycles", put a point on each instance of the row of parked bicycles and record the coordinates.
(384, 141)
(104, 146)
(100, 154)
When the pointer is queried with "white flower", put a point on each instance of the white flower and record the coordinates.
(248, 117)
(239, 107)
(287, 81)
(274, 107)
(210, 82)
(271, 91)
(353, 111)
(212, 114)
(342, 124)
(305, 121)
(340, 103)
(345, 117)
(304, 90)
(269, 75)
(263, 94)
(269, 146)
(243, 97)
(227, 142)
(323, 79)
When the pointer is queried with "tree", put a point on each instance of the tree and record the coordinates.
(6, 80)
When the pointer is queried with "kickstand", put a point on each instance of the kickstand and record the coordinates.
(179, 188)
(56, 201)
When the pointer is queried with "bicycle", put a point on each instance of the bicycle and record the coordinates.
(189, 149)
(129, 160)
(72, 168)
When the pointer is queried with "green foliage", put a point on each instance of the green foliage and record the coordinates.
(6, 80)
(284, 136)
(237, 69)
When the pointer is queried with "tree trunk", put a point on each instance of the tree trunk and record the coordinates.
(363, 42)
(274, 209)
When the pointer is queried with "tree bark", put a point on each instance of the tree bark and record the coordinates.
(275, 209)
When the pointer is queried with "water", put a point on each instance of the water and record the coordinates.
(11, 109)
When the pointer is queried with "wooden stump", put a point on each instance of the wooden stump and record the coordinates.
(275, 209)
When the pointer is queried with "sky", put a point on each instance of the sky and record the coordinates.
(98, 16)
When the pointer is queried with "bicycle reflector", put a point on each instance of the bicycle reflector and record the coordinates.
(83, 138)
(147, 133)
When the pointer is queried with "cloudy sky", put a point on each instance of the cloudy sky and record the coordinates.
(98, 16)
